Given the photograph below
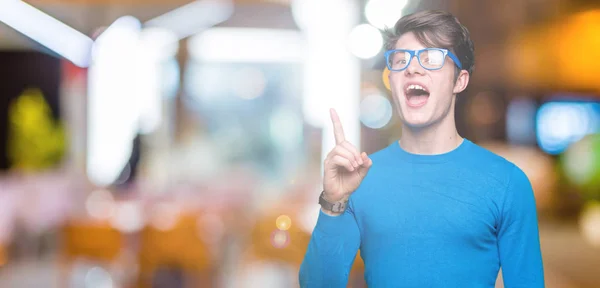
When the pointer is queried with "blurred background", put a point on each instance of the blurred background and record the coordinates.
(154, 143)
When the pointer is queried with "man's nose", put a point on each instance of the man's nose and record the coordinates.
(414, 67)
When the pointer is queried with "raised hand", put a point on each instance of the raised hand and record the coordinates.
(345, 167)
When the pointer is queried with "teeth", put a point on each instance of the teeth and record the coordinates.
(415, 86)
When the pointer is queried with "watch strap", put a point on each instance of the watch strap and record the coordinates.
(335, 207)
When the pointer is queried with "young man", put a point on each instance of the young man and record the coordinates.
(435, 210)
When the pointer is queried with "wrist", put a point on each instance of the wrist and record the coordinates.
(334, 199)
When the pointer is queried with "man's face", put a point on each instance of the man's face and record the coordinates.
(422, 96)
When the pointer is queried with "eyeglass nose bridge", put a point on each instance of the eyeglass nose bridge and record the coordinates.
(414, 55)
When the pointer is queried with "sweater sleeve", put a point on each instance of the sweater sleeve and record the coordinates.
(518, 235)
(331, 251)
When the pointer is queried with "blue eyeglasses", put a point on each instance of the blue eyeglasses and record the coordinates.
(429, 58)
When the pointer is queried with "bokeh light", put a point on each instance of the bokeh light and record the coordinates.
(280, 239)
(283, 222)
(128, 217)
(248, 83)
(100, 204)
(560, 124)
(590, 223)
(113, 99)
(375, 111)
(365, 41)
(384, 13)
(578, 163)
(579, 60)
(98, 277)
(311, 15)
(165, 216)
(581, 164)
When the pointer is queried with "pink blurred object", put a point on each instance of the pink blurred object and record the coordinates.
(8, 210)
(44, 200)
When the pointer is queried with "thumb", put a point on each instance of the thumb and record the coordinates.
(367, 163)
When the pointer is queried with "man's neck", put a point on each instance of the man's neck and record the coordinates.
(439, 138)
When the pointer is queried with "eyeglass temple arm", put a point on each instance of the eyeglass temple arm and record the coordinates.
(455, 59)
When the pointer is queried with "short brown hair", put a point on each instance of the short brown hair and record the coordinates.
(435, 28)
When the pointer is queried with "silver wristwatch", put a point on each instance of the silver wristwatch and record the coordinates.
(335, 207)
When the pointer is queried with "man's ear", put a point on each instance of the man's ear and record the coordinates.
(461, 82)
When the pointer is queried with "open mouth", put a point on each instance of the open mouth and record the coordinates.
(416, 95)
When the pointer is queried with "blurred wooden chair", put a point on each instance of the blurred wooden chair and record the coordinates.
(178, 247)
(92, 241)
(3, 255)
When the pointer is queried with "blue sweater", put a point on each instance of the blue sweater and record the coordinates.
(447, 220)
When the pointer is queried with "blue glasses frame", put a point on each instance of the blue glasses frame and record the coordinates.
(416, 53)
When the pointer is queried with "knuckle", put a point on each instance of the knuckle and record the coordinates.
(338, 150)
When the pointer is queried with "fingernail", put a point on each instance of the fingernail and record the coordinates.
(355, 164)
(360, 162)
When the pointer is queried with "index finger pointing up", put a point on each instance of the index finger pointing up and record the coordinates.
(338, 131)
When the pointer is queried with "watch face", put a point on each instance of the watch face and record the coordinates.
(338, 207)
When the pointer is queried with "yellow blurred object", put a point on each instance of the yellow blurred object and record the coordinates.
(283, 222)
(3, 257)
(560, 55)
(386, 78)
(180, 247)
(578, 51)
(35, 140)
(589, 223)
(93, 240)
